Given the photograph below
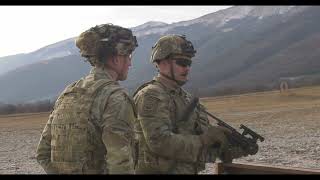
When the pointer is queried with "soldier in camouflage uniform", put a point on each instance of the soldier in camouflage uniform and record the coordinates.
(168, 144)
(91, 129)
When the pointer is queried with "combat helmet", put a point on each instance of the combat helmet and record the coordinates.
(172, 46)
(106, 39)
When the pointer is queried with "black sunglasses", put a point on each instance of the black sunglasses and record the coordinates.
(183, 62)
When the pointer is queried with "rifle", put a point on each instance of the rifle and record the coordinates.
(248, 144)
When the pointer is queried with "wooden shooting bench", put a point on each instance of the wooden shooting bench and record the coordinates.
(239, 168)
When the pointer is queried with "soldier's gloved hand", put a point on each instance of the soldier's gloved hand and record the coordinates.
(215, 136)
(231, 153)
(238, 152)
(226, 131)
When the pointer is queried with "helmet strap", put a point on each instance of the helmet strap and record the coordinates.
(172, 71)
(172, 77)
(180, 83)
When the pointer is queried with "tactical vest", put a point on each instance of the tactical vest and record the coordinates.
(76, 144)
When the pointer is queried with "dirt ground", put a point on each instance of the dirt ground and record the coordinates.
(289, 122)
(19, 136)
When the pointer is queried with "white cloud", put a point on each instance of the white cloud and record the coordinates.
(27, 28)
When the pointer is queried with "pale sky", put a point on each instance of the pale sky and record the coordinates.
(27, 28)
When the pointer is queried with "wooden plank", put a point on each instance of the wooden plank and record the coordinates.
(239, 168)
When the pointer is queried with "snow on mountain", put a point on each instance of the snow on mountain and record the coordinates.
(55, 50)
(220, 18)
(150, 27)
(150, 24)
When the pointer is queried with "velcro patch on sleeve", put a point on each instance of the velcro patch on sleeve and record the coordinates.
(149, 105)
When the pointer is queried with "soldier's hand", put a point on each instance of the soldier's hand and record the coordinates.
(226, 131)
(215, 136)
(231, 153)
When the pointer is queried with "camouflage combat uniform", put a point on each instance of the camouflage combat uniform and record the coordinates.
(91, 129)
(113, 113)
(170, 141)
(166, 144)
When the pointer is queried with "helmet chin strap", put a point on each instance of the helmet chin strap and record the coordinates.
(172, 77)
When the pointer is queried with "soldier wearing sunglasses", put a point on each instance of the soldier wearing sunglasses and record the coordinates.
(167, 144)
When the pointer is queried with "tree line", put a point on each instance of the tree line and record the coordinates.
(38, 106)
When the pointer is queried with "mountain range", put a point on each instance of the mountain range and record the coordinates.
(239, 49)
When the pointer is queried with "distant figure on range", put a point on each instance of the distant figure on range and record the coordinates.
(169, 144)
(91, 129)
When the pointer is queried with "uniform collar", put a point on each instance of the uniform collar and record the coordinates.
(100, 73)
(169, 84)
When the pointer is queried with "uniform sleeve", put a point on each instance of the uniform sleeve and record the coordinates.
(153, 114)
(202, 120)
(117, 134)
(43, 152)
